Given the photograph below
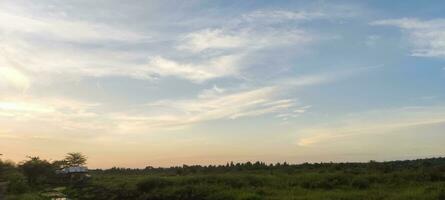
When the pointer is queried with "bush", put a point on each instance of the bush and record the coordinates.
(17, 183)
(37, 171)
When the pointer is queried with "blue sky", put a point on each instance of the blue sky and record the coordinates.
(201, 82)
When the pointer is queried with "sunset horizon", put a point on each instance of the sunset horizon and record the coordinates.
(167, 83)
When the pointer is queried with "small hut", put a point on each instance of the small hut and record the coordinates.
(75, 173)
(73, 170)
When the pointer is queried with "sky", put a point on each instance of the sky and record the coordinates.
(165, 83)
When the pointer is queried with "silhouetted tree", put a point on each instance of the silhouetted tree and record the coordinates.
(37, 170)
(75, 159)
(59, 164)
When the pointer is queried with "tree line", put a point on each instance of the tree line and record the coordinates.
(434, 164)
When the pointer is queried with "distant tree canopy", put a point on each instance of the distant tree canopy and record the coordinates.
(36, 169)
(5, 166)
(432, 164)
(74, 159)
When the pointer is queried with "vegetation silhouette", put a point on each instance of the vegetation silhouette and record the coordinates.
(408, 179)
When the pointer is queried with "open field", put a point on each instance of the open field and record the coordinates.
(422, 179)
(415, 179)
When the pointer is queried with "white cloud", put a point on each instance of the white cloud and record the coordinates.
(178, 114)
(71, 115)
(55, 117)
(218, 103)
(26, 35)
(243, 40)
(427, 36)
(37, 60)
(255, 30)
(33, 108)
(322, 78)
(12, 107)
(234, 43)
(282, 15)
(36, 45)
(213, 68)
(215, 91)
(13, 77)
(62, 29)
(210, 38)
(323, 11)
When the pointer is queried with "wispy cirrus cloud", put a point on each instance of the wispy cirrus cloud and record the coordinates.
(21, 22)
(54, 117)
(254, 30)
(244, 39)
(426, 36)
(36, 46)
(174, 114)
(44, 47)
(225, 104)
(241, 39)
(36, 60)
(216, 67)
(48, 45)
(72, 115)
(210, 39)
(274, 16)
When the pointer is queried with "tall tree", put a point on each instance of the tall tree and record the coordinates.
(37, 170)
(75, 159)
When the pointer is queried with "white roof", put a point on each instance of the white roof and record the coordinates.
(74, 170)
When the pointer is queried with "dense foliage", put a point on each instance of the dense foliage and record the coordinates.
(414, 179)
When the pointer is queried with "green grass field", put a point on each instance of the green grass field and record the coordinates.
(327, 185)
(397, 180)
(423, 179)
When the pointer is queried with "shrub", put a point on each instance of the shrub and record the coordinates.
(17, 183)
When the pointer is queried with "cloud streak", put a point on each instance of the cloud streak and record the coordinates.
(62, 29)
(225, 106)
(214, 68)
(427, 36)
